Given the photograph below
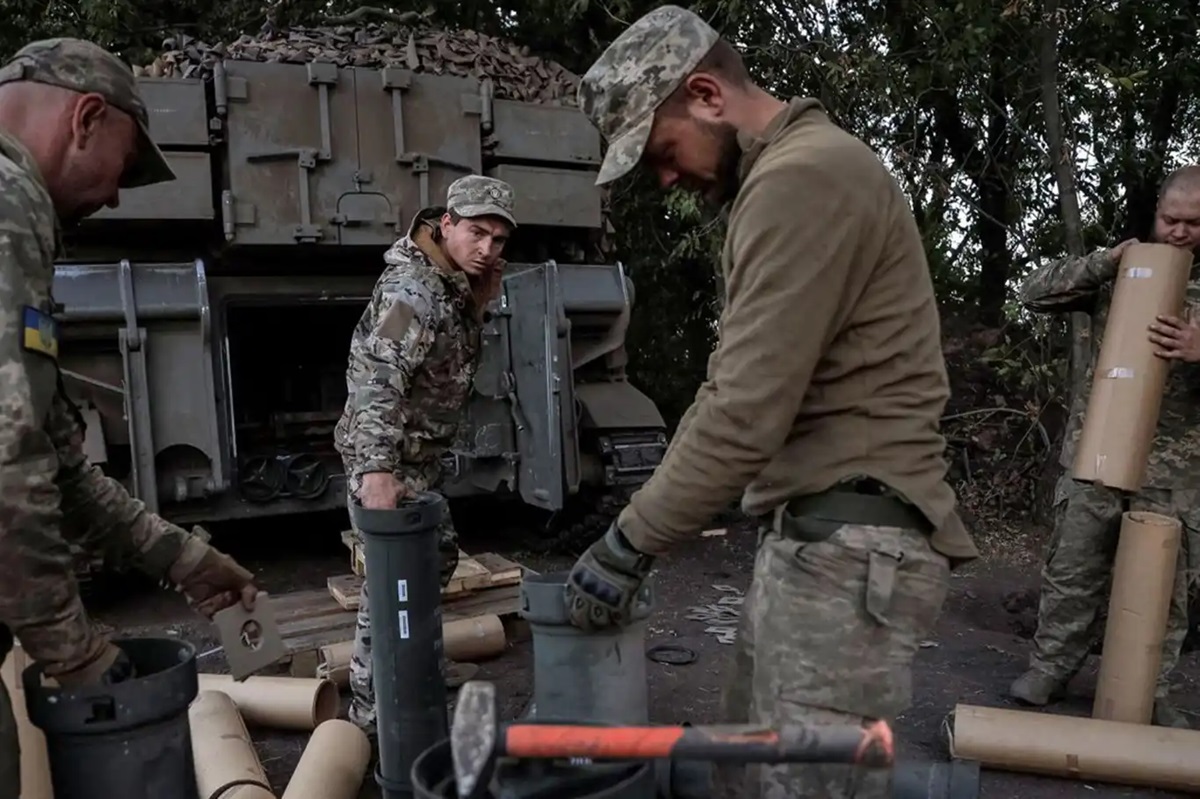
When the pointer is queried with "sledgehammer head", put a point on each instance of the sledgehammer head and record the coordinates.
(473, 736)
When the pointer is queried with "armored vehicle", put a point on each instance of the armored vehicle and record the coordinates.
(206, 322)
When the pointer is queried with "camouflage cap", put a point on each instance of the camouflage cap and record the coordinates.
(476, 195)
(86, 67)
(632, 78)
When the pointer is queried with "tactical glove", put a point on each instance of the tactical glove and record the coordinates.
(211, 579)
(111, 667)
(605, 581)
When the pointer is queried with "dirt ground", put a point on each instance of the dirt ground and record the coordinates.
(981, 643)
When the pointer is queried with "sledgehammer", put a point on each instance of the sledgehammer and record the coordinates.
(477, 738)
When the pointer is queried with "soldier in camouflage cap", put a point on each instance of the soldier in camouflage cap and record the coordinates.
(820, 408)
(86, 68)
(72, 132)
(1079, 559)
(412, 360)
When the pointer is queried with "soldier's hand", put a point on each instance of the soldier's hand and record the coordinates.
(1177, 339)
(212, 580)
(1116, 253)
(110, 667)
(605, 581)
(381, 491)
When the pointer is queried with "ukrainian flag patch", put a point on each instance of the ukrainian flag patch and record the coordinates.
(41, 332)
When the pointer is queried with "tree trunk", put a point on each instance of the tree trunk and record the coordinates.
(1064, 176)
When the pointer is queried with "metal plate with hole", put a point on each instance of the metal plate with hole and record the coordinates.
(251, 638)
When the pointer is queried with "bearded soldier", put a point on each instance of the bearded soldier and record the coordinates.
(821, 403)
(412, 360)
(73, 132)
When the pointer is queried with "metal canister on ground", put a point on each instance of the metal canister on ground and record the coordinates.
(597, 676)
(405, 598)
(130, 739)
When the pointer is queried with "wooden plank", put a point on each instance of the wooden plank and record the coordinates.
(502, 570)
(474, 573)
(324, 621)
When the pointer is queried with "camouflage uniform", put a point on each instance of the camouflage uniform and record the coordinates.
(51, 497)
(1078, 562)
(412, 361)
(820, 408)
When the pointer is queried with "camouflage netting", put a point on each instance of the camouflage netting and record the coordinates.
(515, 74)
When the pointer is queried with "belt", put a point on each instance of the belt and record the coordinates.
(815, 517)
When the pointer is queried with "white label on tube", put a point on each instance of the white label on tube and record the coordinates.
(402, 590)
(404, 624)
(1119, 371)
(1139, 271)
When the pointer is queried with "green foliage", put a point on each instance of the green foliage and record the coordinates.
(948, 94)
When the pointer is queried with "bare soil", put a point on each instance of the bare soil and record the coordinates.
(981, 643)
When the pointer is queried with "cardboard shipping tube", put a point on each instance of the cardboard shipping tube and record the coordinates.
(1127, 387)
(1074, 747)
(1143, 581)
(333, 763)
(35, 762)
(281, 703)
(464, 641)
(226, 765)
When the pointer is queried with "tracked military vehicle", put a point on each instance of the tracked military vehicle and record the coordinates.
(206, 322)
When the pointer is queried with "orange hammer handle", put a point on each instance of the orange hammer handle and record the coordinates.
(871, 746)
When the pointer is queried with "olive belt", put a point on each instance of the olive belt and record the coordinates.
(815, 517)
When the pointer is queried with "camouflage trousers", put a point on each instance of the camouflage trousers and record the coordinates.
(362, 686)
(828, 634)
(1078, 570)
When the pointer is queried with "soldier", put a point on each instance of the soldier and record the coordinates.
(73, 130)
(821, 403)
(412, 360)
(1079, 559)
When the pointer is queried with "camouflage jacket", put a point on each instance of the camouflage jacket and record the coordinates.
(1086, 284)
(51, 498)
(412, 362)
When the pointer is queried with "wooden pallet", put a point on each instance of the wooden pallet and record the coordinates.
(309, 620)
(475, 573)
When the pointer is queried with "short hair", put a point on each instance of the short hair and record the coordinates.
(723, 60)
(1185, 178)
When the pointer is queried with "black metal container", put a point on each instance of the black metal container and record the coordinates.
(129, 740)
(404, 594)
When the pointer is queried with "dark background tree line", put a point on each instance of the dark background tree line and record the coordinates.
(1022, 130)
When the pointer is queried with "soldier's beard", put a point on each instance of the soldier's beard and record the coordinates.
(724, 186)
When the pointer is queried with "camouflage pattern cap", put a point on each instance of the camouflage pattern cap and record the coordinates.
(476, 195)
(85, 67)
(632, 78)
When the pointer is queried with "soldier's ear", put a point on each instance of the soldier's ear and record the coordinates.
(88, 116)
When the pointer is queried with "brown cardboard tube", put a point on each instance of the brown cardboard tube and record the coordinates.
(225, 762)
(477, 638)
(281, 703)
(333, 763)
(1142, 583)
(35, 762)
(464, 641)
(1075, 747)
(1127, 386)
(333, 662)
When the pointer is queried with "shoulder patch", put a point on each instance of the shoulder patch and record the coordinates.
(395, 321)
(40, 332)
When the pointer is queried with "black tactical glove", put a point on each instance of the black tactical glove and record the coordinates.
(604, 582)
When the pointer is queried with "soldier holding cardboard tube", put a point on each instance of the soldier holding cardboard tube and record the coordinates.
(1088, 517)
